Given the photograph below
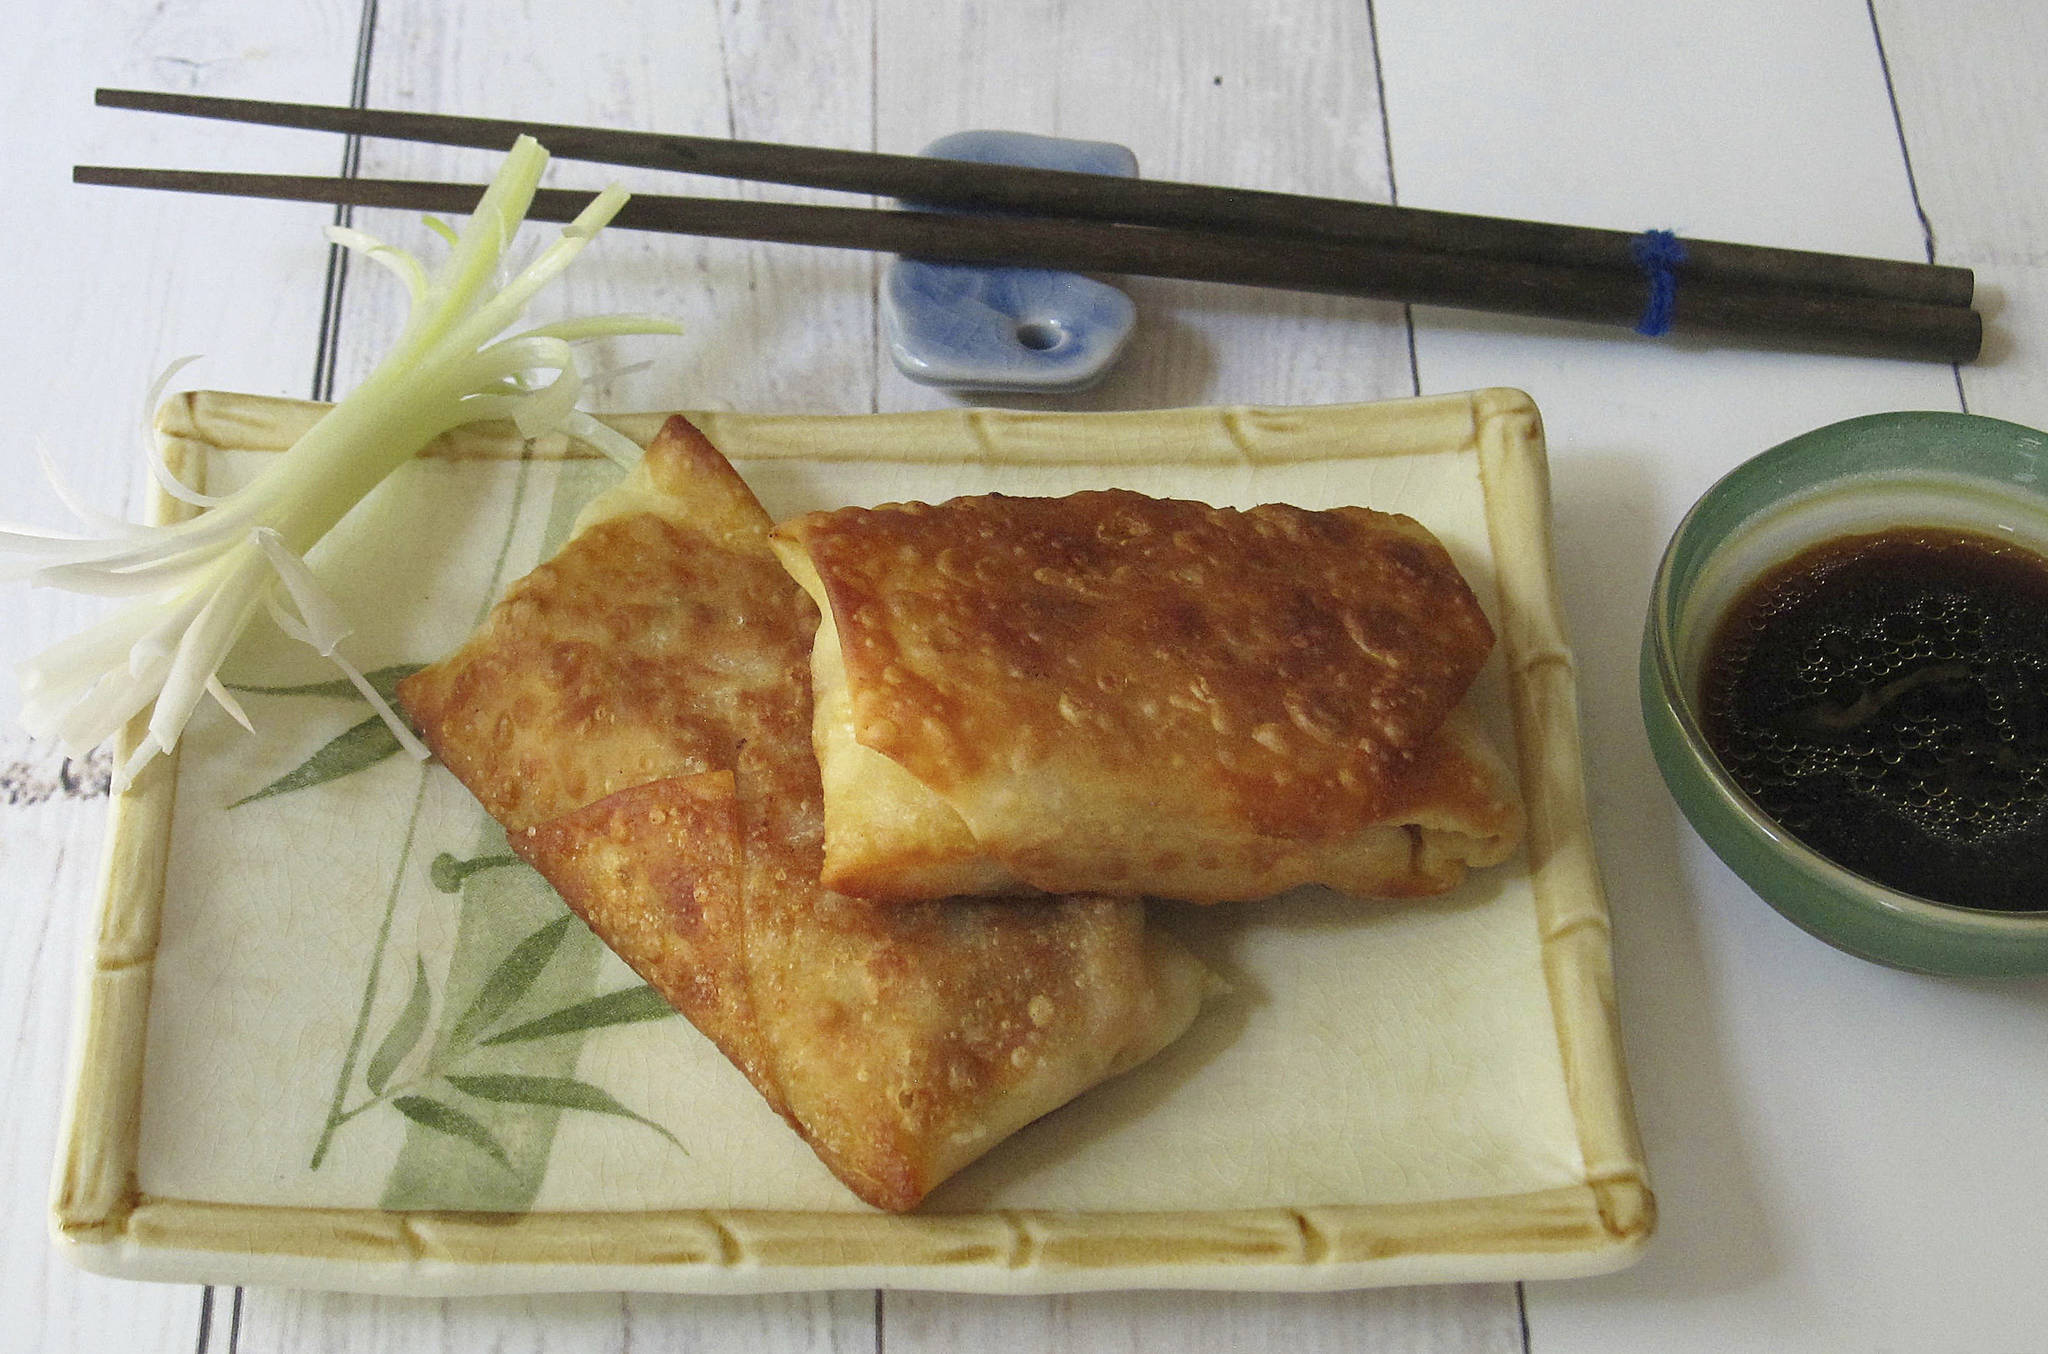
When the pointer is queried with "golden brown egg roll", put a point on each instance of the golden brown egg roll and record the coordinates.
(1113, 693)
(637, 713)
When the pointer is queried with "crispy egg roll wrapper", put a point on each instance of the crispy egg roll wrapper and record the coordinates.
(1114, 693)
(637, 713)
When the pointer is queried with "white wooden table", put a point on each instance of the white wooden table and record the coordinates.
(1845, 1157)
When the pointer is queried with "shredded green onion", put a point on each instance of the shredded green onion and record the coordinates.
(200, 582)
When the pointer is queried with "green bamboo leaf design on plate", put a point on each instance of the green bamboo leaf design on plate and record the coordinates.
(622, 1007)
(384, 681)
(510, 979)
(430, 1113)
(562, 1092)
(362, 746)
(449, 870)
(404, 1034)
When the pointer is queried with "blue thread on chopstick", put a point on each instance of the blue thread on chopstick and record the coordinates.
(1658, 253)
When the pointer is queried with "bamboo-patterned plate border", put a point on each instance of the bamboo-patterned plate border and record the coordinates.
(102, 1220)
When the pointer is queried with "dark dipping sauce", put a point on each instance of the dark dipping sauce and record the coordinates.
(1884, 698)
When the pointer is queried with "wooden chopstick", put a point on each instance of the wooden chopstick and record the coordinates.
(1841, 323)
(1095, 197)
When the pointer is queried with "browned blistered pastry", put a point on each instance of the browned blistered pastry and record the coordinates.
(1110, 692)
(637, 713)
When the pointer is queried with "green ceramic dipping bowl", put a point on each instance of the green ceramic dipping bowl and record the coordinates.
(1862, 475)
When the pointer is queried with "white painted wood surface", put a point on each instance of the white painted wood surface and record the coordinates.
(1816, 1195)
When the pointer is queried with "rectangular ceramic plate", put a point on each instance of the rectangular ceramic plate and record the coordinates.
(322, 1001)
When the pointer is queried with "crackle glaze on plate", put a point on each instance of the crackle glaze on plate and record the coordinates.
(334, 1037)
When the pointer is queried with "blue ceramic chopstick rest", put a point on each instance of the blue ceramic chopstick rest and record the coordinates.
(970, 327)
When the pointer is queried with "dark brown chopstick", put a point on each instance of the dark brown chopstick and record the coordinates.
(1154, 202)
(1840, 323)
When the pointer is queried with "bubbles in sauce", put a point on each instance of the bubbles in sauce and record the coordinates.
(1884, 698)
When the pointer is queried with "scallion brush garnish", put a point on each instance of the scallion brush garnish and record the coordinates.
(200, 582)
